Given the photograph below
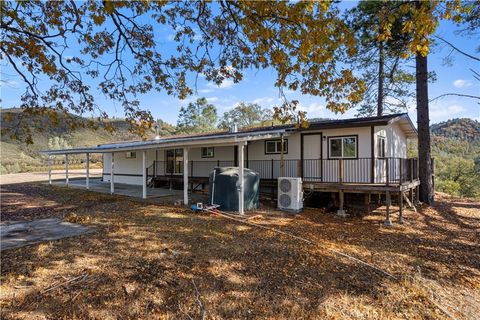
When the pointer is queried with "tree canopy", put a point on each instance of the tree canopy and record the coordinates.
(245, 115)
(301, 41)
(198, 116)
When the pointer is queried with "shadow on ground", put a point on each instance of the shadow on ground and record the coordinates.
(147, 260)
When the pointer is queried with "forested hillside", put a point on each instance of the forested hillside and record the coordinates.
(460, 129)
(17, 156)
(456, 148)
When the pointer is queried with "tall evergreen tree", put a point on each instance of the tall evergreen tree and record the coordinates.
(379, 58)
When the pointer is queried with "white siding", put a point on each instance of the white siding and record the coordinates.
(355, 170)
(126, 170)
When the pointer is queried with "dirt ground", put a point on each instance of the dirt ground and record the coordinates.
(150, 261)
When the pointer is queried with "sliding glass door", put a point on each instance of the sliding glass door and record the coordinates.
(174, 158)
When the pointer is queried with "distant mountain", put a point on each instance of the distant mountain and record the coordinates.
(19, 156)
(464, 129)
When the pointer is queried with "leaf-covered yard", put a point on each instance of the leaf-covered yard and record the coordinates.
(147, 260)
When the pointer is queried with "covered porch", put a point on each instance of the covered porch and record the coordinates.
(239, 141)
(97, 185)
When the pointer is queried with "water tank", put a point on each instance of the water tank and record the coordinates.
(224, 184)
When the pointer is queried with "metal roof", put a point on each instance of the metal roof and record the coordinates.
(184, 141)
(250, 134)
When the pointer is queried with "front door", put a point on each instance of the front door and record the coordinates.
(312, 155)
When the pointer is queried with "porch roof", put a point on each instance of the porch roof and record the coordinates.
(212, 139)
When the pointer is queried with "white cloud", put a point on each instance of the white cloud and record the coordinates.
(212, 99)
(205, 90)
(227, 83)
(264, 101)
(313, 110)
(441, 111)
(462, 83)
(9, 82)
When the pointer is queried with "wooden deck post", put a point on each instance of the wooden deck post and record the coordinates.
(387, 221)
(400, 207)
(368, 198)
(341, 210)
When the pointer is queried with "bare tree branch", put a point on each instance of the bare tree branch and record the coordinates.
(455, 94)
(458, 50)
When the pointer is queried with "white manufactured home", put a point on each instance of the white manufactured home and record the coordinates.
(361, 155)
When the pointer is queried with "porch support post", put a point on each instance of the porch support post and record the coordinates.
(87, 181)
(50, 170)
(241, 190)
(387, 221)
(112, 168)
(144, 174)
(185, 176)
(66, 169)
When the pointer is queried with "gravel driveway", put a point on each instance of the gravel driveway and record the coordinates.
(43, 176)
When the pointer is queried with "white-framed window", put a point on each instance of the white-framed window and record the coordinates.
(207, 152)
(342, 147)
(380, 147)
(130, 155)
(275, 146)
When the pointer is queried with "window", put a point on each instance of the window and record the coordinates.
(381, 147)
(275, 146)
(207, 152)
(342, 147)
(130, 155)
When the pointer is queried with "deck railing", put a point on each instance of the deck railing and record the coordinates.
(359, 170)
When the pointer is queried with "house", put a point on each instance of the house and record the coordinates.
(361, 155)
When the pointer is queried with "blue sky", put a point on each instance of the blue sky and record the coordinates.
(258, 86)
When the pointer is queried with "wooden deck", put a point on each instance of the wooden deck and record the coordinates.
(310, 185)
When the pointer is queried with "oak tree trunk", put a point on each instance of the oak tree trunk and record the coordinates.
(423, 119)
(381, 79)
